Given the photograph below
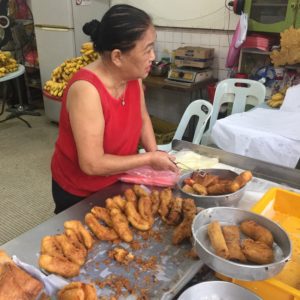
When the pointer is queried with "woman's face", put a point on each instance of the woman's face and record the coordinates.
(137, 62)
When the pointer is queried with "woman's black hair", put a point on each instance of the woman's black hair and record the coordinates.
(121, 26)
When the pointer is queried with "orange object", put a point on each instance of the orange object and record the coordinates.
(283, 207)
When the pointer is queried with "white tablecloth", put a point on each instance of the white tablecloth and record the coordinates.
(264, 134)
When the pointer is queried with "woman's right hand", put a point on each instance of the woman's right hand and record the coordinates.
(160, 160)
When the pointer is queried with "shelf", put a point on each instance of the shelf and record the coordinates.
(256, 51)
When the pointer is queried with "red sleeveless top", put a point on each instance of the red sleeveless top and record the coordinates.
(123, 124)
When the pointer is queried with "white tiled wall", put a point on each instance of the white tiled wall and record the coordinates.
(169, 39)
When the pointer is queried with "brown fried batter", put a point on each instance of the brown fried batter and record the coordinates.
(257, 252)
(204, 178)
(184, 229)
(130, 196)
(50, 246)
(257, 232)
(174, 216)
(121, 255)
(74, 254)
(200, 189)
(58, 265)
(74, 238)
(120, 225)
(140, 191)
(155, 201)
(82, 233)
(145, 209)
(165, 202)
(103, 233)
(121, 202)
(135, 218)
(102, 214)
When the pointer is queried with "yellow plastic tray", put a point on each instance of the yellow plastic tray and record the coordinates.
(283, 207)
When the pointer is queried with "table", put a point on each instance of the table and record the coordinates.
(194, 90)
(27, 245)
(20, 109)
(265, 134)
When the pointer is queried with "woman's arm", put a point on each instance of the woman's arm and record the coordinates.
(87, 123)
(147, 136)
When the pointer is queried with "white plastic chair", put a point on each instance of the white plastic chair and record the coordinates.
(239, 92)
(200, 108)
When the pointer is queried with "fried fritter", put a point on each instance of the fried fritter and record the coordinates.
(257, 232)
(77, 291)
(200, 189)
(58, 265)
(121, 202)
(103, 233)
(82, 233)
(184, 229)
(217, 239)
(121, 225)
(165, 202)
(174, 216)
(50, 246)
(70, 233)
(140, 191)
(155, 201)
(73, 253)
(231, 235)
(135, 218)
(257, 252)
(145, 209)
(102, 214)
(130, 196)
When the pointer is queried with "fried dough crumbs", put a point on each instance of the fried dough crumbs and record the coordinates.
(150, 264)
(135, 245)
(121, 255)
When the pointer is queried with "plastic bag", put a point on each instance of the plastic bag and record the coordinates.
(148, 176)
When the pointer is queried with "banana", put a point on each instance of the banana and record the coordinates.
(277, 96)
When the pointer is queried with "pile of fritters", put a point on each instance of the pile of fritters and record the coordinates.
(64, 254)
(203, 183)
(227, 243)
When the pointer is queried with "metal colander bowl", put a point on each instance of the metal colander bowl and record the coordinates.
(213, 200)
(282, 248)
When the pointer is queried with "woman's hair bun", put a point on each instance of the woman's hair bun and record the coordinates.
(91, 28)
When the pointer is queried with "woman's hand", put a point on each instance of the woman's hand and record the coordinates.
(161, 160)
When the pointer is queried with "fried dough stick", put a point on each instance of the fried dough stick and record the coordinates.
(257, 232)
(217, 239)
(120, 225)
(145, 209)
(103, 233)
(257, 252)
(184, 229)
(102, 214)
(50, 246)
(82, 233)
(165, 202)
(232, 238)
(77, 291)
(135, 218)
(120, 202)
(155, 199)
(58, 265)
(74, 254)
(130, 196)
(139, 191)
(174, 216)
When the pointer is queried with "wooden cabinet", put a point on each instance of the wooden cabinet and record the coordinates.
(272, 16)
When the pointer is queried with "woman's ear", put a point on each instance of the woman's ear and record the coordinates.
(116, 57)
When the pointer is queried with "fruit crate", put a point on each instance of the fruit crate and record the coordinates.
(164, 131)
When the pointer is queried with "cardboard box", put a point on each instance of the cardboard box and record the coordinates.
(197, 57)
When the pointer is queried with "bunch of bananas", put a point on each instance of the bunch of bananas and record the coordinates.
(276, 100)
(7, 63)
(62, 74)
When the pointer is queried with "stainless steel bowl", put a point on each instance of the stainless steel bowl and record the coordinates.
(218, 200)
(244, 271)
(217, 290)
